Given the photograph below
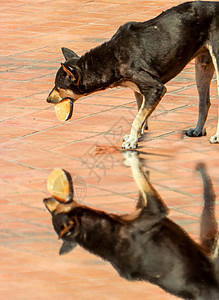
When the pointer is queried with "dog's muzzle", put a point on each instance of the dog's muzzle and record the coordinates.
(54, 97)
(48, 100)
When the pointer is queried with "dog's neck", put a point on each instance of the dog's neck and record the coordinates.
(99, 68)
(97, 233)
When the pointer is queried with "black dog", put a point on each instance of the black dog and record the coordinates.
(146, 55)
(146, 245)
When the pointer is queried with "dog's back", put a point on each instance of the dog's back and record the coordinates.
(182, 41)
(146, 55)
(165, 255)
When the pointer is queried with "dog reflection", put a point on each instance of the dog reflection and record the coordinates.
(146, 244)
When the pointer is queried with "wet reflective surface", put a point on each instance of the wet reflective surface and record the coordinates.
(144, 244)
(34, 142)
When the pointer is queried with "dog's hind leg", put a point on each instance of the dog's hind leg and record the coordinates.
(214, 51)
(204, 71)
(208, 226)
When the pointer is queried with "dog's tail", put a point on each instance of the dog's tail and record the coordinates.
(209, 228)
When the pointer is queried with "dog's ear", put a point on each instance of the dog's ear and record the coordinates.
(67, 247)
(73, 72)
(68, 54)
(51, 204)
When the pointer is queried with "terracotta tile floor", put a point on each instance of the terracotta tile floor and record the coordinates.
(33, 142)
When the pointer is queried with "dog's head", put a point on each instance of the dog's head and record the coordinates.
(63, 208)
(65, 223)
(68, 79)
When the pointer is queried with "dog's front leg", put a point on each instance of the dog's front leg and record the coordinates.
(151, 200)
(151, 98)
(139, 100)
(131, 140)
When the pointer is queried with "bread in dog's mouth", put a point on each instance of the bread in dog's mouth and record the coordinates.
(59, 184)
(64, 109)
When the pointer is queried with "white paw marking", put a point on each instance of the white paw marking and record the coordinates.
(130, 157)
(125, 138)
(214, 139)
(130, 143)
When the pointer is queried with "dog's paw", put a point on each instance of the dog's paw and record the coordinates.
(194, 133)
(130, 157)
(200, 167)
(130, 144)
(214, 139)
(125, 138)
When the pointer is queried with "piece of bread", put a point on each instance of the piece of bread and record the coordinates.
(59, 184)
(64, 109)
